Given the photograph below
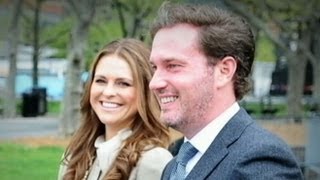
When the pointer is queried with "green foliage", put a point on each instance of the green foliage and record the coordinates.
(281, 109)
(4, 20)
(99, 35)
(256, 109)
(265, 49)
(293, 9)
(57, 36)
(30, 163)
(107, 26)
(27, 32)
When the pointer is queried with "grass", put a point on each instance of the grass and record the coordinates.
(53, 107)
(280, 110)
(29, 163)
(256, 109)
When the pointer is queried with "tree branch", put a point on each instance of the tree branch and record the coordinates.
(119, 6)
(238, 8)
(54, 37)
(74, 8)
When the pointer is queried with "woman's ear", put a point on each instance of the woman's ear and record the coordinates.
(226, 69)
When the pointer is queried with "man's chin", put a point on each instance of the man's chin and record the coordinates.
(170, 122)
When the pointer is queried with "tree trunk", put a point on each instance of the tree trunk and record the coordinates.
(316, 83)
(13, 39)
(316, 63)
(84, 11)
(73, 85)
(296, 76)
(35, 56)
(297, 73)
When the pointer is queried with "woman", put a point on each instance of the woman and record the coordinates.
(120, 136)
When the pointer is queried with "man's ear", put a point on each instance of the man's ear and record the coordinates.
(226, 69)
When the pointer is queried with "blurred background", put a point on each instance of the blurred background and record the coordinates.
(46, 47)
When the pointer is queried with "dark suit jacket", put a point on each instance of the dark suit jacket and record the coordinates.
(244, 150)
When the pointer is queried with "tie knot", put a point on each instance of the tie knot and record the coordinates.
(186, 152)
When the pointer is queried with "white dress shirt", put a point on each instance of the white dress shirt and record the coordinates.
(202, 140)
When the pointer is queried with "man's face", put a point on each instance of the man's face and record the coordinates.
(182, 81)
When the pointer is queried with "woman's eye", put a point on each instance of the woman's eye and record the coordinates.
(124, 84)
(99, 81)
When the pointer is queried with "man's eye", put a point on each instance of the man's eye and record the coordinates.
(154, 67)
(170, 66)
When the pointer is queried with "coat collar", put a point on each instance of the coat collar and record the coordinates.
(218, 149)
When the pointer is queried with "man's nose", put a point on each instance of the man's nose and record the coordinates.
(158, 81)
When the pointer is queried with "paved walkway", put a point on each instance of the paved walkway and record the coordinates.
(28, 127)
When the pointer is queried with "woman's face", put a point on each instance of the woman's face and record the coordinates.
(113, 94)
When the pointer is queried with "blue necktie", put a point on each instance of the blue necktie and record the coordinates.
(186, 152)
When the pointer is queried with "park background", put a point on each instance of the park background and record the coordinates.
(46, 47)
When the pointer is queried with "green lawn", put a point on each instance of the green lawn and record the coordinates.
(53, 107)
(29, 163)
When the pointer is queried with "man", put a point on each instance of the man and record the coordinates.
(202, 59)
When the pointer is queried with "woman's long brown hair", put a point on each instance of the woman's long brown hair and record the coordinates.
(148, 132)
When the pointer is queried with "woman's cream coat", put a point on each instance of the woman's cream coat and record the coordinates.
(149, 166)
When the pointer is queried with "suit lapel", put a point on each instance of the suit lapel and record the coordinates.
(218, 149)
(167, 171)
(209, 160)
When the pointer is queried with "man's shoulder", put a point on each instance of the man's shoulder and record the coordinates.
(246, 134)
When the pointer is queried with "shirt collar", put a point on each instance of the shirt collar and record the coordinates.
(202, 140)
(107, 151)
(121, 135)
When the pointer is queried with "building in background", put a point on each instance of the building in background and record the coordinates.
(51, 72)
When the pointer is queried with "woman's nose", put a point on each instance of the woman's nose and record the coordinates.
(109, 90)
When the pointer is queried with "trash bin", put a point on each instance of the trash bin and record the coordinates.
(29, 104)
(41, 94)
(34, 102)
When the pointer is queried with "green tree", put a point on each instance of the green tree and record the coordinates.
(57, 36)
(292, 20)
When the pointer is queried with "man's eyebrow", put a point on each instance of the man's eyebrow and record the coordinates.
(173, 60)
(169, 59)
(165, 61)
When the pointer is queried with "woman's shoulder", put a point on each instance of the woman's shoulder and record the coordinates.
(157, 153)
(152, 163)
(156, 157)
